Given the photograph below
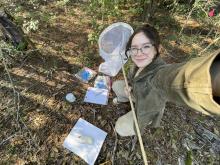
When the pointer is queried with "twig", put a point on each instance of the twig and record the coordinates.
(106, 163)
(116, 143)
(209, 45)
(8, 138)
(33, 139)
(31, 86)
(18, 105)
(16, 98)
(134, 140)
(16, 95)
(9, 76)
(94, 111)
(187, 18)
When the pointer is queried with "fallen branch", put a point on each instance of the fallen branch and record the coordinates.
(115, 147)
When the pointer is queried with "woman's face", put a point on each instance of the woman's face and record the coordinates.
(143, 52)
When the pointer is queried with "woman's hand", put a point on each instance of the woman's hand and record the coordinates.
(127, 91)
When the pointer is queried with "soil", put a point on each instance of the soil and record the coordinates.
(35, 123)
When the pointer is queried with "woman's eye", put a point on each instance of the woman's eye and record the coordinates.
(134, 49)
(146, 47)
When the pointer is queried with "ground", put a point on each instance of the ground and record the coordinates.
(35, 123)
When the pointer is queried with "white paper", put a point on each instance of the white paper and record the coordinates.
(89, 146)
(97, 96)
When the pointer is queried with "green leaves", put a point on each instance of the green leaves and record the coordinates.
(189, 158)
(22, 45)
(31, 25)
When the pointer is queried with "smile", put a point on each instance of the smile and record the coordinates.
(141, 58)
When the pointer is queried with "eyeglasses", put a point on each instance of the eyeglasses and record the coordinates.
(134, 51)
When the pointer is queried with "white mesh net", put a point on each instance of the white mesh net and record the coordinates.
(112, 43)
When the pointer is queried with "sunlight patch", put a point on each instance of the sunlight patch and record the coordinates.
(38, 121)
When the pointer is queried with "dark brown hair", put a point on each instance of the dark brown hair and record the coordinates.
(151, 33)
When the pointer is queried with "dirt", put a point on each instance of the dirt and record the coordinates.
(35, 133)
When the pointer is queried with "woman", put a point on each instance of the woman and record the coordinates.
(195, 83)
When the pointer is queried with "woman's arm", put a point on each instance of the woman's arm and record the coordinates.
(195, 83)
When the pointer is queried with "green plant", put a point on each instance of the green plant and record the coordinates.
(31, 25)
(94, 36)
(104, 9)
(62, 3)
(89, 59)
(189, 158)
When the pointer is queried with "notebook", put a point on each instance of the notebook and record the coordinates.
(85, 140)
(96, 96)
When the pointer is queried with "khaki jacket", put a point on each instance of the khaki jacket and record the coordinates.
(187, 83)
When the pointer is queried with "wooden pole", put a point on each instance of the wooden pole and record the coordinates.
(135, 118)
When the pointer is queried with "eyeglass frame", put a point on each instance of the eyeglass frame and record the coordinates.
(139, 49)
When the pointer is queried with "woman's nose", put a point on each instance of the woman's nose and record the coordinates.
(139, 52)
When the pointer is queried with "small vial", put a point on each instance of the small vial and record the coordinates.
(70, 97)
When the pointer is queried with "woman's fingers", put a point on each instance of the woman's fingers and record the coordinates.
(127, 90)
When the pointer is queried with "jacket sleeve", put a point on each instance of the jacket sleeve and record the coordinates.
(189, 84)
